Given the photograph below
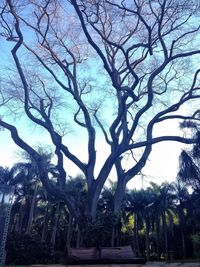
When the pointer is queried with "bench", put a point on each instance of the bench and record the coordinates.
(103, 255)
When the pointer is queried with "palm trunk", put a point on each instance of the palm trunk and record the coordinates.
(165, 235)
(158, 238)
(136, 238)
(183, 243)
(182, 226)
(147, 240)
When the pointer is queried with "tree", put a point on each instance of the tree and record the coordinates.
(189, 172)
(163, 208)
(142, 48)
(182, 197)
(4, 175)
(136, 205)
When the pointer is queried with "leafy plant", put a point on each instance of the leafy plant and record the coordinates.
(24, 249)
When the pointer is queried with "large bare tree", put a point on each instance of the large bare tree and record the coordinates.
(110, 68)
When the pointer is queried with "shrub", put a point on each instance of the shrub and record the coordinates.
(24, 249)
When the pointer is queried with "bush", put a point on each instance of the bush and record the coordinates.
(24, 249)
(196, 244)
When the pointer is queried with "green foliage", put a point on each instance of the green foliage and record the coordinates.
(98, 233)
(196, 244)
(141, 214)
(23, 249)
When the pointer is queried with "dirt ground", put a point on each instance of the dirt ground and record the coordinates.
(148, 264)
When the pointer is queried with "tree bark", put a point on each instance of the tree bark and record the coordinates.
(165, 235)
(32, 209)
(45, 224)
(158, 238)
(19, 224)
(112, 243)
(136, 238)
(119, 195)
(147, 240)
(78, 241)
(69, 234)
(182, 226)
(55, 225)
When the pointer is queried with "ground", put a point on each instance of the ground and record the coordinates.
(148, 264)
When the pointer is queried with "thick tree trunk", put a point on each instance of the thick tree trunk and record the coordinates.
(112, 243)
(45, 224)
(118, 198)
(119, 235)
(78, 240)
(119, 195)
(55, 225)
(19, 224)
(69, 234)
(32, 209)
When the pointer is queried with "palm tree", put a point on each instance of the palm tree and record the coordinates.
(162, 207)
(135, 206)
(148, 200)
(25, 174)
(182, 196)
(76, 188)
(106, 205)
(4, 175)
(140, 203)
(189, 173)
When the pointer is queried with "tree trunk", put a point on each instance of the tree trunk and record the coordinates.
(119, 195)
(136, 238)
(118, 198)
(69, 234)
(183, 243)
(119, 235)
(19, 224)
(165, 235)
(78, 241)
(32, 209)
(112, 243)
(45, 224)
(147, 240)
(182, 226)
(158, 238)
(55, 224)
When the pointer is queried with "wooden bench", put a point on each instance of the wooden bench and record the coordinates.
(103, 255)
